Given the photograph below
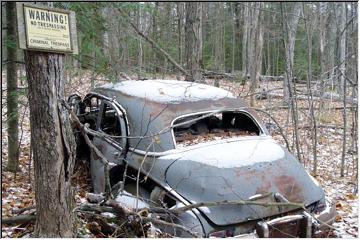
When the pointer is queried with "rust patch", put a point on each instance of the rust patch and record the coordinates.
(264, 188)
(289, 188)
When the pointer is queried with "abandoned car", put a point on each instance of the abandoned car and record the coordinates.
(182, 143)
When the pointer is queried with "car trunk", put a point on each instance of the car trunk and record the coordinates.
(236, 170)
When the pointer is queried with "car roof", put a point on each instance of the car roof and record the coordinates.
(152, 105)
(169, 91)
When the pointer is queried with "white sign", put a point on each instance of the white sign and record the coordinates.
(47, 29)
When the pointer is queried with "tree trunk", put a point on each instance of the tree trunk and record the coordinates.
(238, 15)
(245, 42)
(289, 25)
(233, 40)
(12, 95)
(140, 48)
(342, 46)
(52, 143)
(155, 37)
(290, 28)
(309, 32)
(254, 50)
(342, 81)
(218, 36)
(180, 15)
(193, 40)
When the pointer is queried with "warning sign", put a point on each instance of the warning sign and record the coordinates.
(48, 29)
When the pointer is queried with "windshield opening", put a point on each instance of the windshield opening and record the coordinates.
(223, 125)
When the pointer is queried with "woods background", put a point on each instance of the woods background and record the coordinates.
(296, 61)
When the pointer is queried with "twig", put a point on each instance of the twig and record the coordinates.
(161, 222)
(280, 129)
(84, 130)
(225, 202)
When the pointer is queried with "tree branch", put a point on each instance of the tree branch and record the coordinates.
(152, 43)
(241, 202)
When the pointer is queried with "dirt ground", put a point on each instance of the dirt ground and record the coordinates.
(18, 191)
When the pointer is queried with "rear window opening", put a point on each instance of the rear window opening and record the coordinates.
(224, 125)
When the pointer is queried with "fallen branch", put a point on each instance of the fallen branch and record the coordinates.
(217, 75)
(21, 210)
(174, 225)
(241, 202)
(315, 98)
(19, 219)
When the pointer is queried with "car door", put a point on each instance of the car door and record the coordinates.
(111, 126)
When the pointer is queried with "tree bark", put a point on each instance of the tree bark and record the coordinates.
(218, 36)
(255, 50)
(12, 95)
(309, 35)
(245, 41)
(342, 46)
(290, 28)
(342, 81)
(180, 15)
(52, 143)
(140, 48)
(289, 25)
(193, 40)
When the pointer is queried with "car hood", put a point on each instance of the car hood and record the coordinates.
(236, 170)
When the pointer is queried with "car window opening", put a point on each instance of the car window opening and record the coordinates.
(219, 126)
(110, 123)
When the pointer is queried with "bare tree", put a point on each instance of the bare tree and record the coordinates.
(342, 81)
(193, 40)
(289, 24)
(246, 40)
(255, 50)
(218, 36)
(12, 95)
(309, 35)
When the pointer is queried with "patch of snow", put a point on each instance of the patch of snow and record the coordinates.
(108, 214)
(170, 91)
(130, 201)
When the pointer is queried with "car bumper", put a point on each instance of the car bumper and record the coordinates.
(300, 224)
(326, 217)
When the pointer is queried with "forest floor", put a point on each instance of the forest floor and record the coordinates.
(18, 189)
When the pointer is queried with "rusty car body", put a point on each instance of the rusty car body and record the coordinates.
(186, 143)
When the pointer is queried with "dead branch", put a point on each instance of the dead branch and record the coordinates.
(280, 129)
(19, 219)
(84, 130)
(317, 98)
(217, 75)
(94, 198)
(21, 210)
(152, 42)
(164, 223)
(241, 202)
(97, 208)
